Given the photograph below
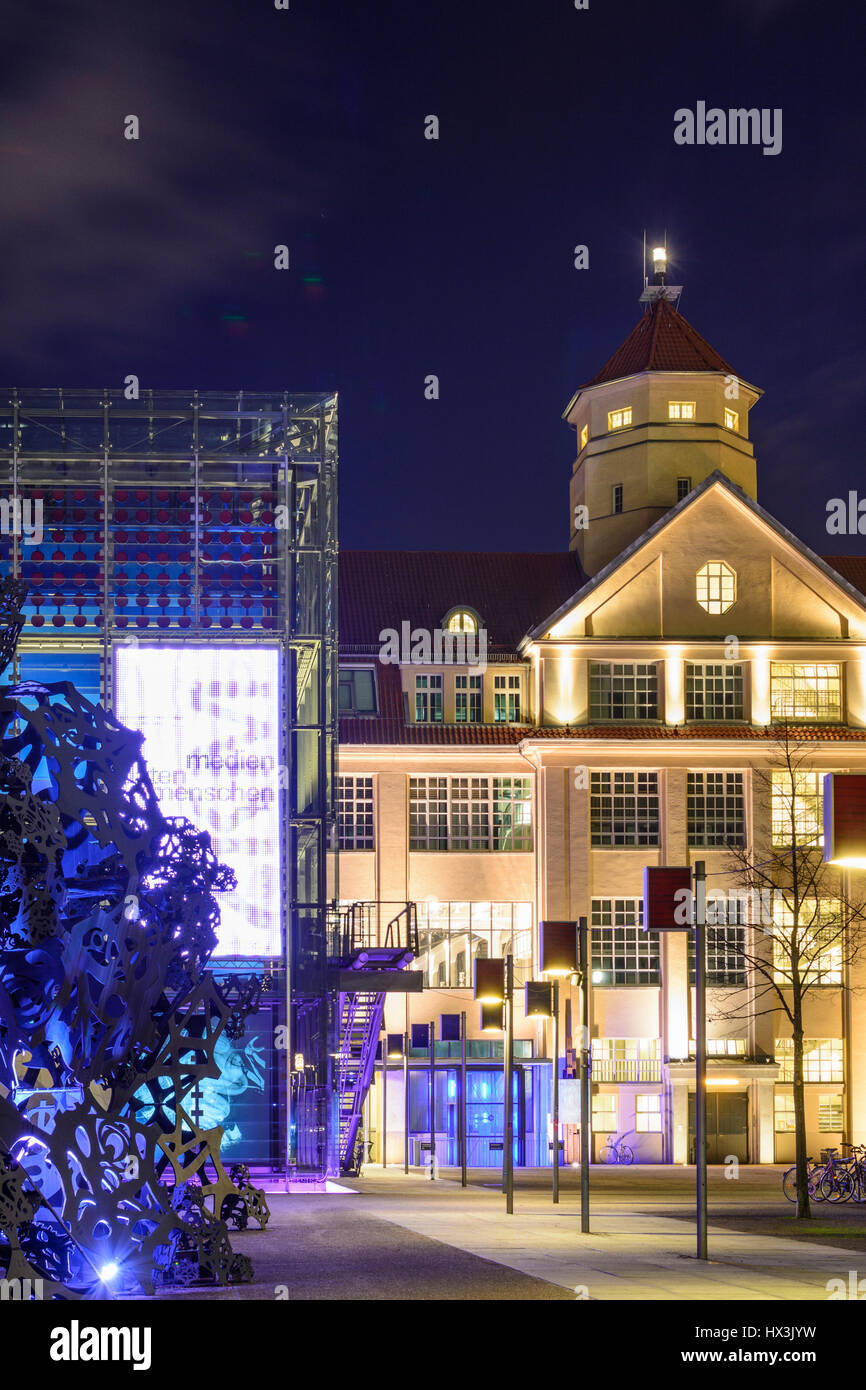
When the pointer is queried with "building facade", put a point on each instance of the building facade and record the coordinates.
(521, 734)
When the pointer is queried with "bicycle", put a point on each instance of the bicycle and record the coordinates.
(837, 1183)
(814, 1174)
(617, 1151)
(857, 1159)
(845, 1178)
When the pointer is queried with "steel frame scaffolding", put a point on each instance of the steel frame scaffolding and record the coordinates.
(203, 518)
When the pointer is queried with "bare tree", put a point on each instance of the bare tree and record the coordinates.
(806, 930)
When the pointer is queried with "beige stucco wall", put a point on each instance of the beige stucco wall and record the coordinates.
(649, 455)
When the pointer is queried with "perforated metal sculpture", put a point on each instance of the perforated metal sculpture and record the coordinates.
(108, 1018)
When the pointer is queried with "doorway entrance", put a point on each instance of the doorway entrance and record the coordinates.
(727, 1126)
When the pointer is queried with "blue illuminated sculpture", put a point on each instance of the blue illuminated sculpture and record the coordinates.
(109, 1019)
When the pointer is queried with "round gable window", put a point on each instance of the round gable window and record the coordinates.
(716, 587)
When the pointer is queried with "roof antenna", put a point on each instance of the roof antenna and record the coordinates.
(659, 289)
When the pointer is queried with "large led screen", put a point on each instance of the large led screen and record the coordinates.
(210, 719)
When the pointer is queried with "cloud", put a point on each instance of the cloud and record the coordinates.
(101, 235)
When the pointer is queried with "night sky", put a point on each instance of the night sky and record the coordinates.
(454, 257)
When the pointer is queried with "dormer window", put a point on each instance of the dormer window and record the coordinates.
(716, 587)
(461, 620)
(618, 419)
(681, 410)
(357, 690)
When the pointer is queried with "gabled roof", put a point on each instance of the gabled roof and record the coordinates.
(661, 341)
(830, 568)
(509, 591)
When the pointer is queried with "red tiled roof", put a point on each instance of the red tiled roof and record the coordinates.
(393, 730)
(661, 341)
(510, 591)
(851, 567)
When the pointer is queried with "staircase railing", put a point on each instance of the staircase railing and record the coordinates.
(374, 925)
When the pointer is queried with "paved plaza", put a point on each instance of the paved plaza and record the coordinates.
(392, 1236)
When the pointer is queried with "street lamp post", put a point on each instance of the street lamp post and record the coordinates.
(556, 1091)
(701, 1052)
(406, 1102)
(542, 1001)
(462, 1110)
(494, 990)
(674, 899)
(564, 951)
(385, 1098)
(585, 1069)
(432, 1102)
(508, 1154)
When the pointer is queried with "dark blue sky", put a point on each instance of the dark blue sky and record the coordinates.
(454, 257)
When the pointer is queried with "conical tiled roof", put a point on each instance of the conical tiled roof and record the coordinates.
(661, 341)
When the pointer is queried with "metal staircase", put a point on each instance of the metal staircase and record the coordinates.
(367, 937)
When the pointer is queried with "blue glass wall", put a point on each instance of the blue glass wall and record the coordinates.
(484, 1114)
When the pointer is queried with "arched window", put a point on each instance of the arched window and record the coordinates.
(461, 620)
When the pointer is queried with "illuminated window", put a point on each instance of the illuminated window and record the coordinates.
(623, 690)
(355, 812)
(618, 419)
(720, 1047)
(604, 1114)
(470, 813)
(684, 487)
(716, 587)
(584, 436)
(616, 499)
(622, 952)
(453, 934)
(726, 948)
(830, 1117)
(732, 420)
(506, 699)
(461, 620)
(716, 810)
(681, 410)
(468, 700)
(624, 808)
(805, 691)
(815, 947)
(822, 1059)
(428, 699)
(626, 1059)
(648, 1114)
(797, 808)
(784, 1111)
(714, 691)
(726, 1047)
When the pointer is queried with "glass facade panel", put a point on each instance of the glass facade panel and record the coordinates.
(806, 690)
(470, 813)
(453, 934)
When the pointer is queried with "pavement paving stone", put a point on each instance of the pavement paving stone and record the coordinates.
(627, 1254)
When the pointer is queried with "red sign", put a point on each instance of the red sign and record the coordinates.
(845, 819)
(667, 899)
